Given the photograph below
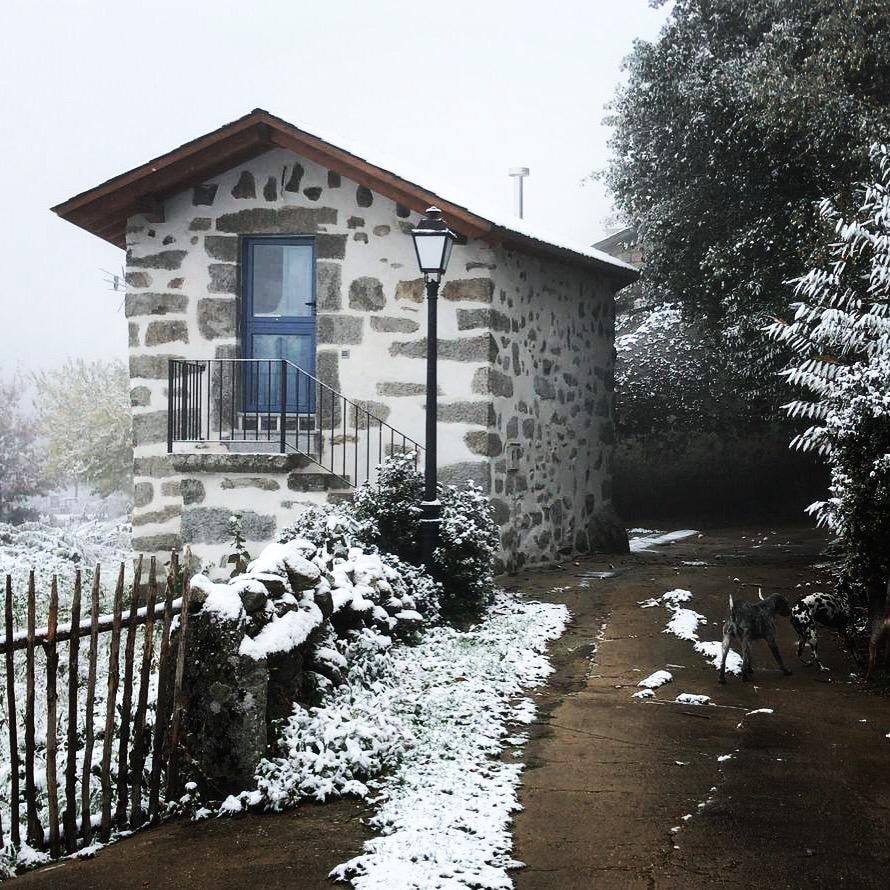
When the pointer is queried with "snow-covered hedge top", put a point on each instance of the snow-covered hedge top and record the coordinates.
(292, 587)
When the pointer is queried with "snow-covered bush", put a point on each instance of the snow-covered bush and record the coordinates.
(388, 509)
(50, 550)
(840, 338)
(856, 435)
(416, 581)
(385, 515)
(468, 538)
(388, 515)
(330, 750)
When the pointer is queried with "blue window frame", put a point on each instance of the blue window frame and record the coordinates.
(278, 319)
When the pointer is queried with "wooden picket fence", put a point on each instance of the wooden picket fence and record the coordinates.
(129, 797)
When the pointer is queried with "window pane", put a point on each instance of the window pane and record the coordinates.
(265, 380)
(282, 280)
(294, 347)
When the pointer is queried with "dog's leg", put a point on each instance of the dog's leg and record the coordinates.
(723, 656)
(771, 642)
(814, 646)
(747, 666)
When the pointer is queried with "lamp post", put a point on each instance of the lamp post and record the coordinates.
(433, 241)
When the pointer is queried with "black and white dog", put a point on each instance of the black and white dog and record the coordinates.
(828, 609)
(747, 622)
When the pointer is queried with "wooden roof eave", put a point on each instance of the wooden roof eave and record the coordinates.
(105, 209)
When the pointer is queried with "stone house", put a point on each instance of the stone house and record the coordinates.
(277, 345)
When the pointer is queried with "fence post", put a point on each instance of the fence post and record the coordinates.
(120, 813)
(178, 700)
(137, 761)
(13, 730)
(70, 818)
(52, 667)
(162, 707)
(86, 828)
(113, 679)
(35, 827)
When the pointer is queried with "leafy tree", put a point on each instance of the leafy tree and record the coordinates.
(839, 337)
(21, 462)
(730, 127)
(84, 414)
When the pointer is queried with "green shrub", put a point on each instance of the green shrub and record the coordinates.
(388, 510)
(468, 538)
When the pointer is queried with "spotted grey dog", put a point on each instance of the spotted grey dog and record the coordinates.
(828, 609)
(753, 621)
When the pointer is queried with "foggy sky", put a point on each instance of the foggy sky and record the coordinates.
(90, 89)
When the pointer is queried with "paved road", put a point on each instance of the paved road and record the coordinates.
(286, 851)
(804, 801)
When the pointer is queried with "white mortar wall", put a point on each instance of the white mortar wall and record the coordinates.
(359, 242)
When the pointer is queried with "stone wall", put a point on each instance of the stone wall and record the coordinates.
(552, 388)
(183, 302)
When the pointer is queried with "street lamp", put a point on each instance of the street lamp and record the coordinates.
(433, 241)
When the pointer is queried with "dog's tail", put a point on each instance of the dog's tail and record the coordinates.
(730, 603)
(760, 594)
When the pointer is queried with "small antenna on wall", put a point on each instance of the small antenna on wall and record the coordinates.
(115, 280)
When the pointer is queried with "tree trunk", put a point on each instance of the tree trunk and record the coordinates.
(879, 624)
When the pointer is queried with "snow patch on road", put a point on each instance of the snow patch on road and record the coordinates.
(691, 698)
(649, 540)
(684, 623)
(654, 681)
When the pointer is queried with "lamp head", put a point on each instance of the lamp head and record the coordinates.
(433, 241)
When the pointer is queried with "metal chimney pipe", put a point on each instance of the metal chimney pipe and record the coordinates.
(518, 174)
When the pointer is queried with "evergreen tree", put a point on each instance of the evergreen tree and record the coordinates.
(839, 338)
(730, 128)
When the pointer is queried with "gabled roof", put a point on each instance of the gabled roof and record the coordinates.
(104, 209)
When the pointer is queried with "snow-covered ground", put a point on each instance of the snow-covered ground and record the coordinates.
(643, 540)
(60, 550)
(457, 700)
(54, 550)
(430, 734)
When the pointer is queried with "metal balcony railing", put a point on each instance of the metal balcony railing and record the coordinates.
(271, 405)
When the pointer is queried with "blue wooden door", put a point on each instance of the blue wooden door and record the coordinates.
(278, 321)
